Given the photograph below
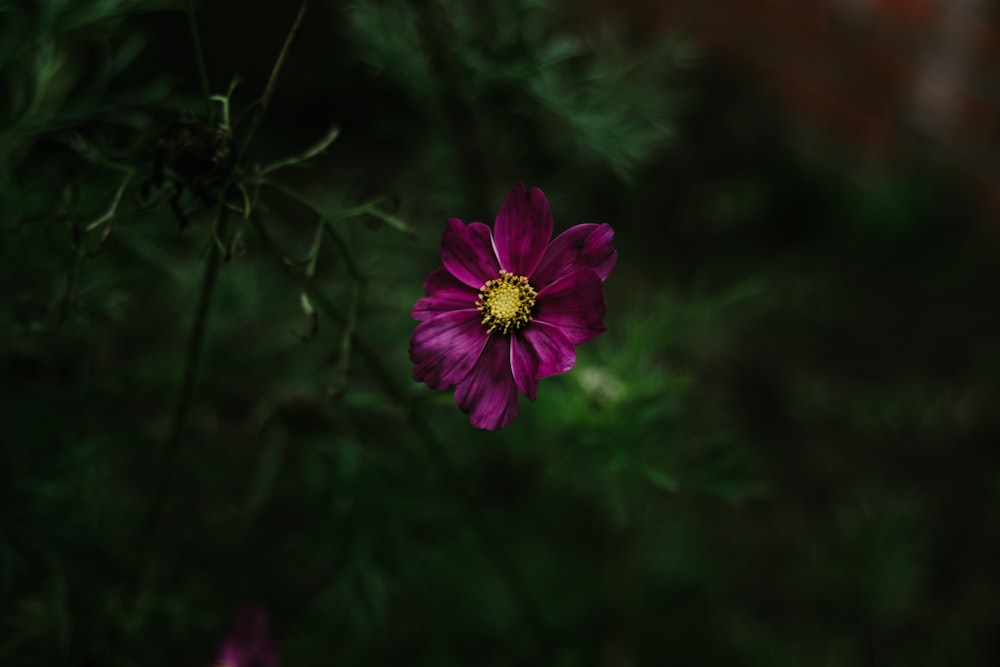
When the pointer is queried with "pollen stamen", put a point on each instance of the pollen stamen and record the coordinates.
(506, 303)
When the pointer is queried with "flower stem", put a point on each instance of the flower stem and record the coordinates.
(168, 456)
(265, 99)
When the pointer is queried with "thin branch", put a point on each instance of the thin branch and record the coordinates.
(342, 369)
(107, 221)
(327, 218)
(317, 149)
(265, 100)
(216, 251)
(168, 456)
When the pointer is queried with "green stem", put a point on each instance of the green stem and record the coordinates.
(345, 252)
(327, 218)
(168, 456)
(216, 251)
(342, 370)
(199, 59)
(265, 100)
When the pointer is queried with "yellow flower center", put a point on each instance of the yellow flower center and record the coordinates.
(506, 302)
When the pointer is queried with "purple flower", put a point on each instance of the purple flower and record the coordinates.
(248, 644)
(508, 307)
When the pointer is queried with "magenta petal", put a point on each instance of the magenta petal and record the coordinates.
(522, 230)
(445, 293)
(553, 347)
(248, 643)
(467, 252)
(537, 352)
(488, 393)
(573, 304)
(524, 363)
(587, 246)
(445, 347)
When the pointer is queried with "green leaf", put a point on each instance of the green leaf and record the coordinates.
(316, 149)
(307, 306)
(393, 221)
(659, 478)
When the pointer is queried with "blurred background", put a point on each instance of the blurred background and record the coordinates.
(783, 451)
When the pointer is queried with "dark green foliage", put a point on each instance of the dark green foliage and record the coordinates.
(782, 452)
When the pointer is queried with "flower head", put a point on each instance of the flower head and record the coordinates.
(509, 306)
(248, 643)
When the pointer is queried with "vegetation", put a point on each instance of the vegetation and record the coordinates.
(213, 225)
